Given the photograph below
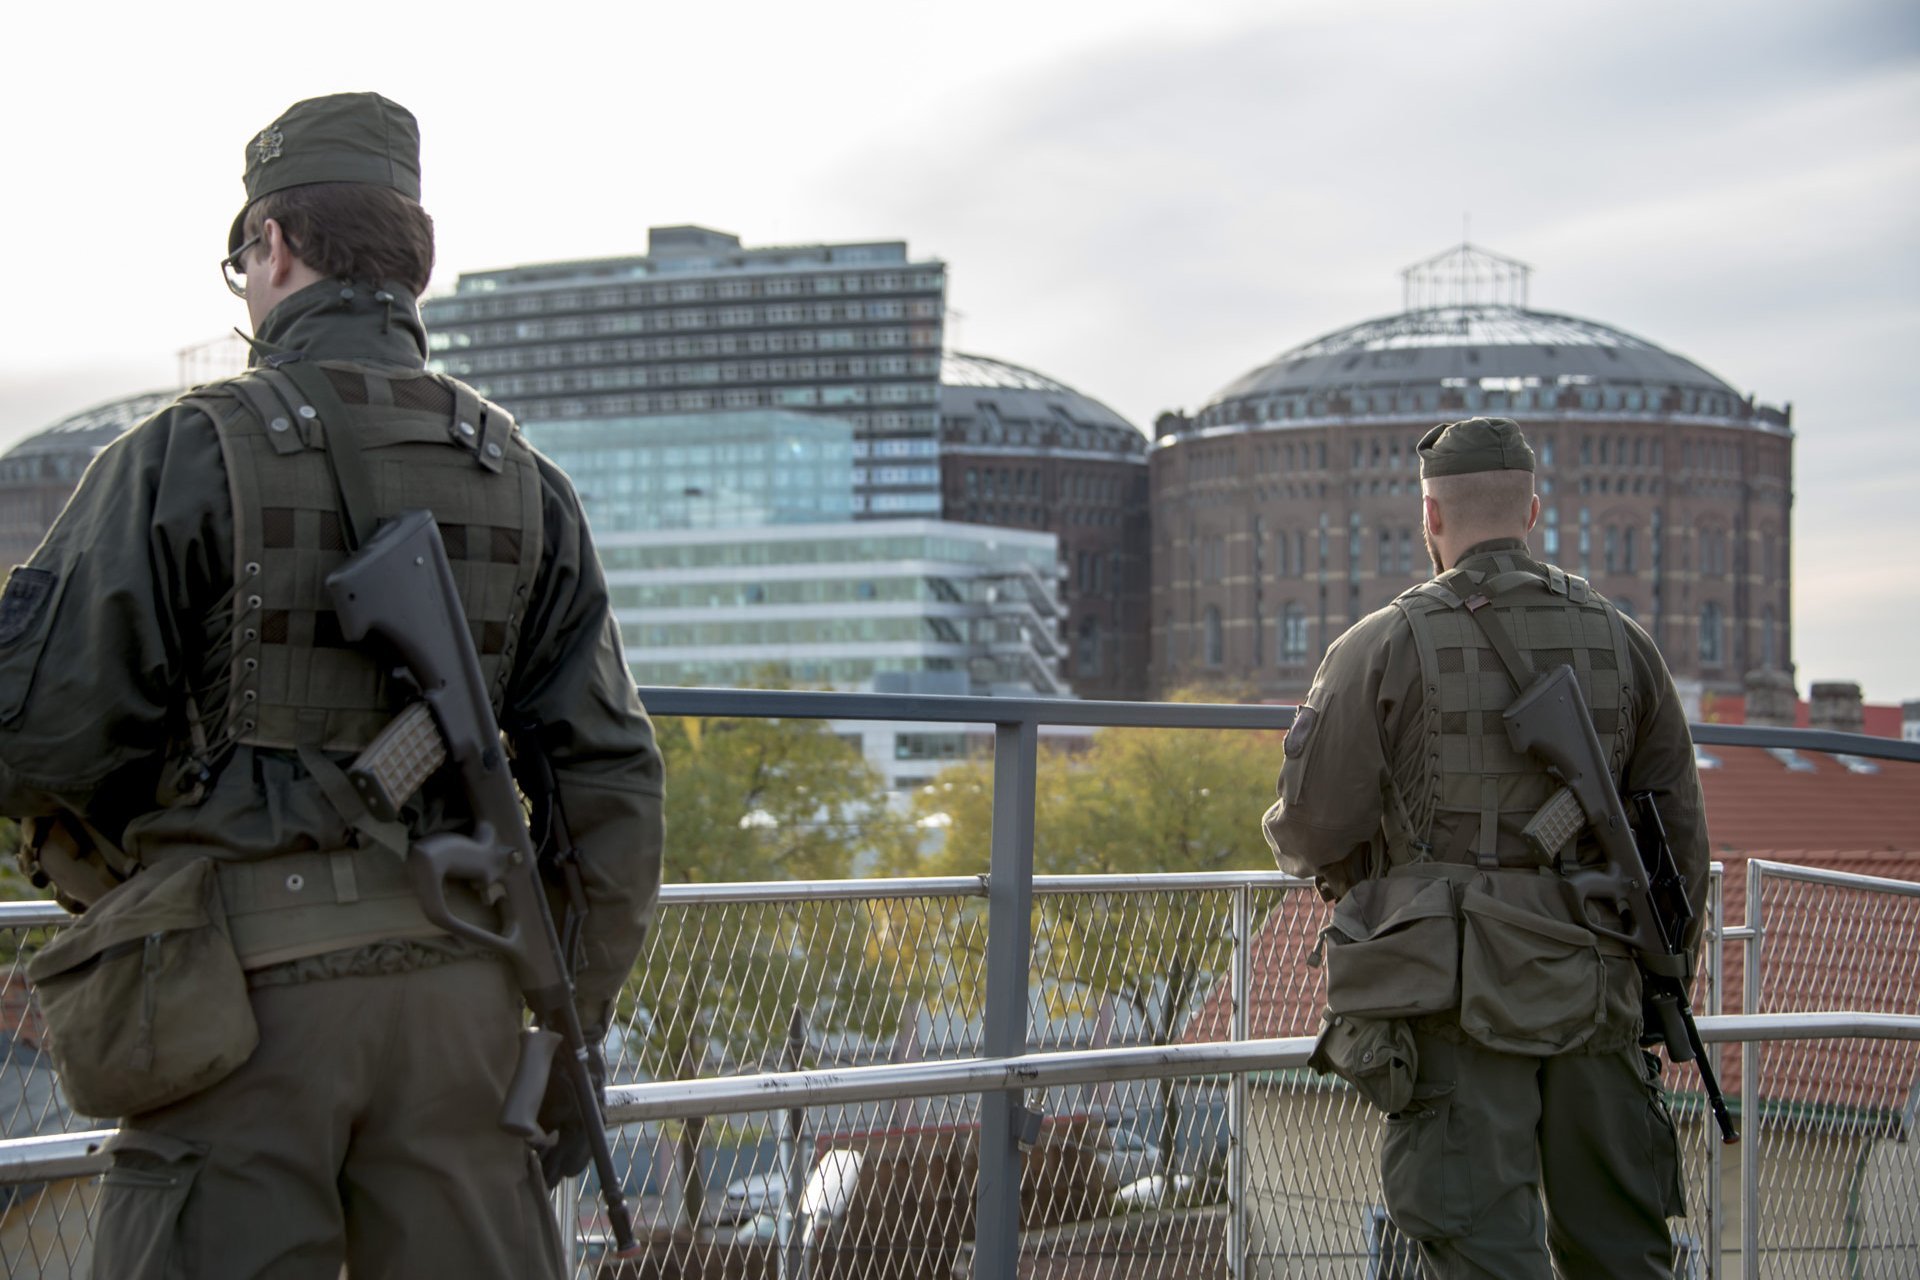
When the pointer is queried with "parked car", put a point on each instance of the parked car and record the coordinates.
(1125, 1157)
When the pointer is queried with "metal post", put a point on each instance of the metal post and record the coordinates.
(1009, 957)
(1750, 1087)
(1237, 1097)
(791, 1265)
(1716, 1000)
(566, 1208)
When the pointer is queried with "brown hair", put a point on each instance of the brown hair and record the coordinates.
(352, 231)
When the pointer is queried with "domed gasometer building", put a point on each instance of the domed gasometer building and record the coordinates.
(40, 473)
(1021, 450)
(1288, 506)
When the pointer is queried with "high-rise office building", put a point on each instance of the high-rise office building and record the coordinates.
(701, 324)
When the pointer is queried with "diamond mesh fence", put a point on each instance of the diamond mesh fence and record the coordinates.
(1832, 1122)
(1139, 1179)
(44, 1226)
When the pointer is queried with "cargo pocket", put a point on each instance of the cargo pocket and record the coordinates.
(1663, 1142)
(136, 1234)
(1393, 949)
(144, 999)
(1376, 1056)
(1424, 1177)
(1529, 984)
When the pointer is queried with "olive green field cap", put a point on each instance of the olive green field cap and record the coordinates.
(1474, 444)
(343, 137)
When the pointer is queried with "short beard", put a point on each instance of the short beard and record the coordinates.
(1433, 552)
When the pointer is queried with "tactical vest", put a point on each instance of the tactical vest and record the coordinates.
(1464, 794)
(293, 680)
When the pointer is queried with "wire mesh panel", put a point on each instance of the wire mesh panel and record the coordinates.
(1834, 1128)
(725, 988)
(1134, 968)
(44, 1226)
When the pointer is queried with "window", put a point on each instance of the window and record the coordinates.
(1550, 540)
(1710, 634)
(1087, 656)
(1215, 642)
(1293, 634)
(1769, 653)
(1626, 551)
(1611, 539)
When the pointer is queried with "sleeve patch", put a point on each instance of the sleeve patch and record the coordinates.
(1302, 730)
(25, 599)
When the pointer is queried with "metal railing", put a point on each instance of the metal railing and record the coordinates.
(999, 1131)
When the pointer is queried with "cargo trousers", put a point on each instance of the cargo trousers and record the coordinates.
(1527, 1168)
(364, 1130)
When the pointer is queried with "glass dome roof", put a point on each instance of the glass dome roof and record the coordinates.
(86, 433)
(965, 380)
(1474, 341)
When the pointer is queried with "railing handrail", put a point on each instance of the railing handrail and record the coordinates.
(33, 913)
(1827, 876)
(816, 704)
(71, 1155)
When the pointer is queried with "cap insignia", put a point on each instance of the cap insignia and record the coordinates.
(267, 146)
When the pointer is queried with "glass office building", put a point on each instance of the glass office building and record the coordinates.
(906, 604)
(700, 324)
(686, 471)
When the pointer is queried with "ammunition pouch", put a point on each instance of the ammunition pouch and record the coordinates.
(1532, 982)
(1374, 1055)
(144, 998)
(1392, 949)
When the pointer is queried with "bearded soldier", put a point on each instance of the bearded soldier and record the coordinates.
(310, 1072)
(1469, 998)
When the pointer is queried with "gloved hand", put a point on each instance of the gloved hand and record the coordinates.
(560, 1116)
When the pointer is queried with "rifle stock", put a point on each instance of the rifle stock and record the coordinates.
(1646, 895)
(398, 589)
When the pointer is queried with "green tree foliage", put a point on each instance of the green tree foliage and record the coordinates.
(758, 799)
(1137, 801)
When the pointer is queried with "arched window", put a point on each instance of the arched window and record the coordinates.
(1710, 638)
(1215, 643)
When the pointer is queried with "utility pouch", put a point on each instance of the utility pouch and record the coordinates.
(144, 999)
(1529, 983)
(1392, 949)
(1374, 1055)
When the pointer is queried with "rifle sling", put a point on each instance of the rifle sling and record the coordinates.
(344, 459)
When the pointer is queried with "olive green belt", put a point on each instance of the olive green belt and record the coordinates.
(304, 904)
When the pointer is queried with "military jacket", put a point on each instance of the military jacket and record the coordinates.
(1368, 743)
(116, 655)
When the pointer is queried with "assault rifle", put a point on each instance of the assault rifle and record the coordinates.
(399, 588)
(1638, 879)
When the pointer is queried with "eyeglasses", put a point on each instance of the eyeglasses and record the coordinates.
(233, 268)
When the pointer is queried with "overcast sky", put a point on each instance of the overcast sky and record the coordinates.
(1143, 200)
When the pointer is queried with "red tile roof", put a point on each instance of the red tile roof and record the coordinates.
(1822, 948)
(1754, 801)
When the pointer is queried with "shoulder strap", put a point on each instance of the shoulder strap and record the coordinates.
(350, 478)
(1496, 632)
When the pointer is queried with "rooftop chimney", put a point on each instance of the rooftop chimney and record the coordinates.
(1835, 704)
(1770, 698)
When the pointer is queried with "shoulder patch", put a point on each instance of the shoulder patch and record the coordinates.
(24, 600)
(1302, 730)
